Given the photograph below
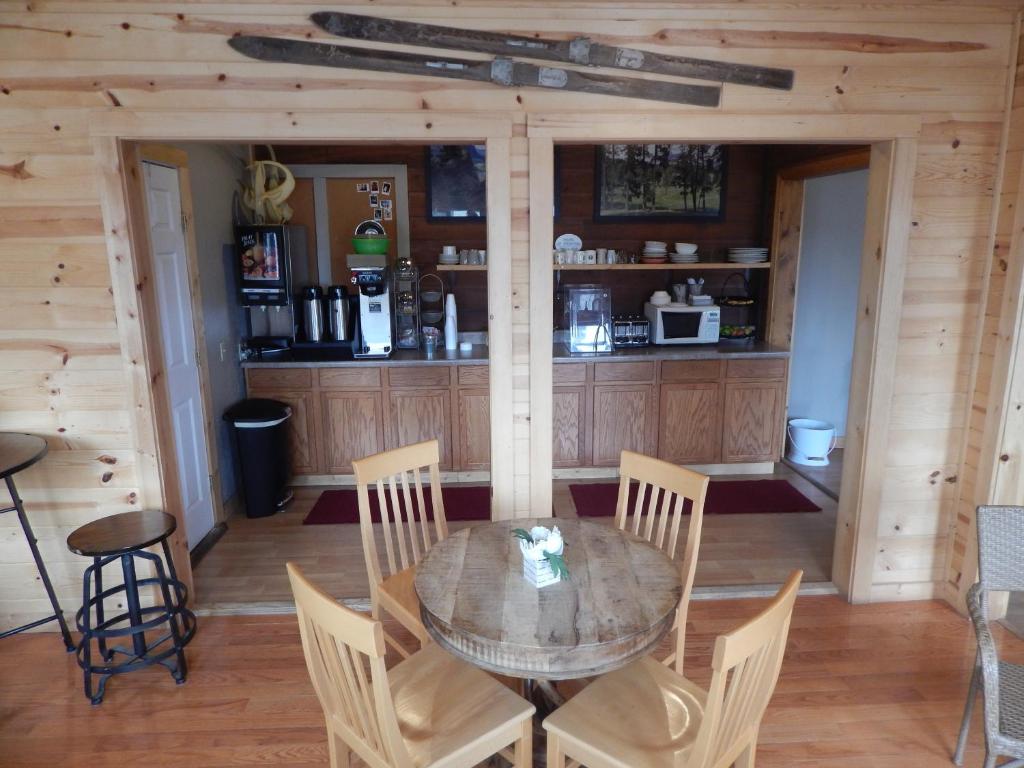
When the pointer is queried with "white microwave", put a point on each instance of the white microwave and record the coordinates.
(683, 324)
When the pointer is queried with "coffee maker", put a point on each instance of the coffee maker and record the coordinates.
(373, 320)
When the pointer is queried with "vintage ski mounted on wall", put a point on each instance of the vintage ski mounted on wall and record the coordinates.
(580, 50)
(503, 70)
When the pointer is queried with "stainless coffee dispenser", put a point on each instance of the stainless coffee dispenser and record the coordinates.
(338, 314)
(373, 336)
(313, 313)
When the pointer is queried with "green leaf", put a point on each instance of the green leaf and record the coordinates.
(557, 565)
(523, 534)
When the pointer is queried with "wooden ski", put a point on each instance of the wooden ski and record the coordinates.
(578, 51)
(500, 71)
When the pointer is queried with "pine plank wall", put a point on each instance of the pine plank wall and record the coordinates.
(63, 373)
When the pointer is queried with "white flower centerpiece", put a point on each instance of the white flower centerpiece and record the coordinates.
(542, 555)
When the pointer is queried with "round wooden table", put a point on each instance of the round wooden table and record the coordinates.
(619, 601)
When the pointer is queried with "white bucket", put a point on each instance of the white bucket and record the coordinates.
(810, 442)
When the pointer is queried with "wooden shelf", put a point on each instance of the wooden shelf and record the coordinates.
(699, 266)
(464, 267)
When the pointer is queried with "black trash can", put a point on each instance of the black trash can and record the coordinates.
(262, 440)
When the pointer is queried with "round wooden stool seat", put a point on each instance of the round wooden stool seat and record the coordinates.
(19, 451)
(117, 534)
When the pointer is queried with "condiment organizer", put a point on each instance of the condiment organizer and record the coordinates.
(431, 305)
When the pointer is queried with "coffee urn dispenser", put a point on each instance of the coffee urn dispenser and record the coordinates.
(338, 313)
(313, 313)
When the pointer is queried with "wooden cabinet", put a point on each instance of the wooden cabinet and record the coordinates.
(421, 414)
(474, 428)
(569, 416)
(754, 411)
(353, 427)
(623, 419)
(690, 423)
(302, 442)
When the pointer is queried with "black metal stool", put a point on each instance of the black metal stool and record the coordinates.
(124, 537)
(19, 451)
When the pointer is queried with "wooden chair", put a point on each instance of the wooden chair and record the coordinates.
(659, 523)
(406, 530)
(647, 715)
(429, 711)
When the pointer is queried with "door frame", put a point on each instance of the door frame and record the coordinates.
(178, 159)
(115, 132)
(893, 141)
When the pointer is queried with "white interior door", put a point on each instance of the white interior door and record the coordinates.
(171, 279)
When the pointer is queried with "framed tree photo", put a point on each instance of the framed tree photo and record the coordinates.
(456, 182)
(659, 181)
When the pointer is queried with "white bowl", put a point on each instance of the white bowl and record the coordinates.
(686, 248)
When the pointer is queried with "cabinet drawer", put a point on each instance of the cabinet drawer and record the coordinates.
(474, 375)
(420, 376)
(569, 373)
(277, 378)
(624, 372)
(691, 370)
(753, 368)
(350, 378)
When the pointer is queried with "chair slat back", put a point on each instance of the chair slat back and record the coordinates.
(344, 653)
(396, 480)
(657, 514)
(1001, 548)
(745, 669)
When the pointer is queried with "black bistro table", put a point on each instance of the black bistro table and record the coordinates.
(19, 451)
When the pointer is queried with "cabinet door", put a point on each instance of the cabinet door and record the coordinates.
(753, 421)
(422, 414)
(354, 428)
(690, 429)
(568, 411)
(474, 425)
(623, 420)
(301, 428)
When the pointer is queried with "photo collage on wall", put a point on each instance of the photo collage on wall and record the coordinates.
(379, 198)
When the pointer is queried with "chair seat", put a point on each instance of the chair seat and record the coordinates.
(121, 533)
(397, 595)
(446, 708)
(641, 715)
(1011, 700)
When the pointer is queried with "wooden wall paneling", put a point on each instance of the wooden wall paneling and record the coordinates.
(501, 426)
(993, 461)
(887, 229)
(541, 322)
(127, 244)
(787, 225)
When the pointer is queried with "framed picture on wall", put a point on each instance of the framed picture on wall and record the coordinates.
(456, 182)
(659, 181)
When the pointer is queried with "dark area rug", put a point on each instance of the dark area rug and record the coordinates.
(461, 503)
(725, 497)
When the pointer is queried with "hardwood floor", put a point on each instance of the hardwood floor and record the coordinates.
(247, 565)
(871, 686)
(828, 478)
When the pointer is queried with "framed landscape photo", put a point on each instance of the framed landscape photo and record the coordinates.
(659, 181)
(456, 182)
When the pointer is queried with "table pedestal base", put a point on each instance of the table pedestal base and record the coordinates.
(546, 698)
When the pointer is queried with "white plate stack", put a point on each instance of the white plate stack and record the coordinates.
(747, 255)
(678, 257)
(654, 251)
(448, 258)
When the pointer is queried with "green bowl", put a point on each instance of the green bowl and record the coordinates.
(370, 245)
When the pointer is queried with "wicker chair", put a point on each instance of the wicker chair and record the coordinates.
(1001, 569)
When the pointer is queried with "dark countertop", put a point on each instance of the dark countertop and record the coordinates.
(721, 351)
(400, 357)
